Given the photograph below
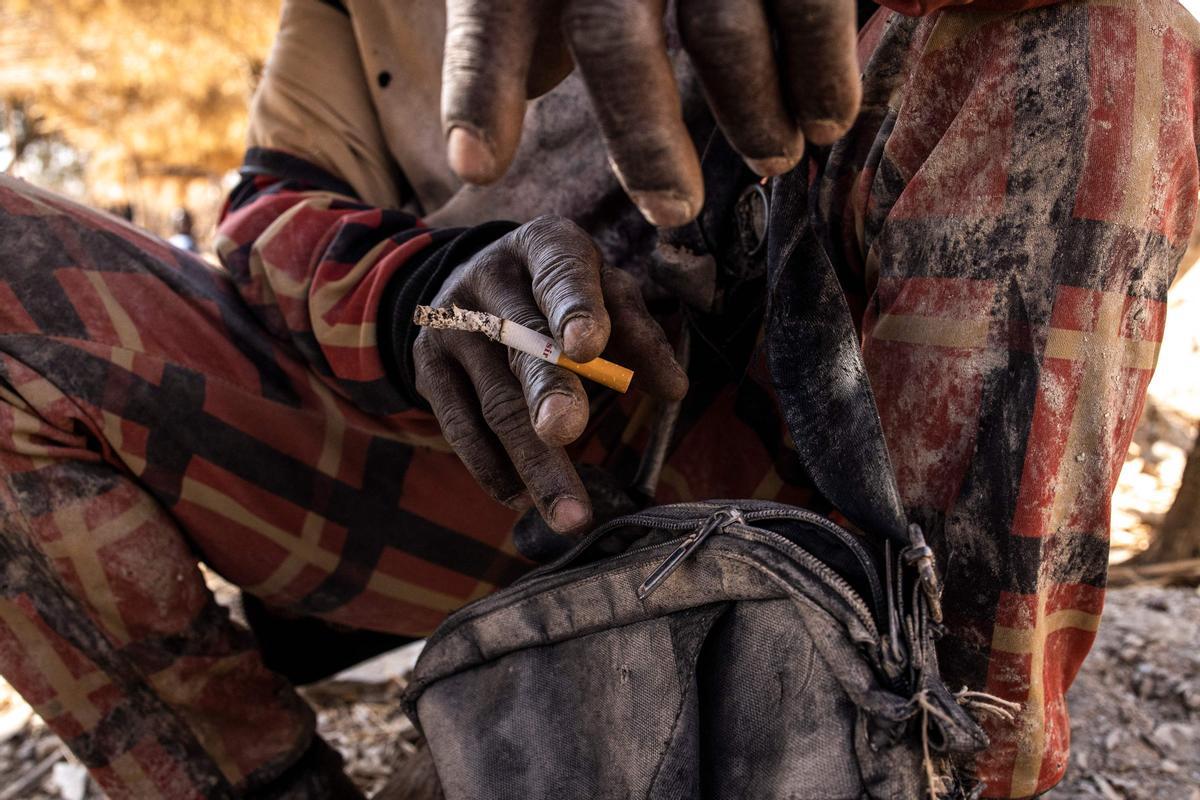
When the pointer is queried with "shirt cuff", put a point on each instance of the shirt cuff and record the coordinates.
(417, 284)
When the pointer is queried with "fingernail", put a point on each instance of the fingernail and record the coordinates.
(665, 209)
(772, 165)
(551, 408)
(824, 131)
(576, 333)
(471, 157)
(567, 514)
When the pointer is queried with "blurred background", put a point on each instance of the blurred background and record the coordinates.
(139, 107)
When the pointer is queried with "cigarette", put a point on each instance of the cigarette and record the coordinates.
(523, 339)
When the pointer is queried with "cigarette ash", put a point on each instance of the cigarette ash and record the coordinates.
(459, 319)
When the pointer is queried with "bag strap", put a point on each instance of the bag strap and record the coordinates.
(816, 365)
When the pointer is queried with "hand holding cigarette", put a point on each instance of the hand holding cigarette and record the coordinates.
(520, 338)
(543, 291)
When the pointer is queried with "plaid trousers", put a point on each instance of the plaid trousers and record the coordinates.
(1006, 215)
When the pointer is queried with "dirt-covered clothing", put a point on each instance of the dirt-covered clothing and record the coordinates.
(920, 8)
(1007, 215)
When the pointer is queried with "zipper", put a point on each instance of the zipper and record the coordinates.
(533, 582)
(716, 522)
(823, 570)
(753, 511)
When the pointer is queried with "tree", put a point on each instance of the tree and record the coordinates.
(149, 87)
(1178, 537)
(20, 129)
(28, 145)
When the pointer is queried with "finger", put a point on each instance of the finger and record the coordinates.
(445, 386)
(564, 267)
(551, 61)
(730, 45)
(638, 341)
(558, 405)
(619, 47)
(820, 64)
(546, 471)
(484, 71)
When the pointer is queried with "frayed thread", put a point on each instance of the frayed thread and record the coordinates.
(935, 781)
(978, 703)
(984, 703)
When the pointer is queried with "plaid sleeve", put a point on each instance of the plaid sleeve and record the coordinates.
(328, 273)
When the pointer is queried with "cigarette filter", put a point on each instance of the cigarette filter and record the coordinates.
(525, 340)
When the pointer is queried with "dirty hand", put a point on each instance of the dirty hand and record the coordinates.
(774, 72)
(508, 415)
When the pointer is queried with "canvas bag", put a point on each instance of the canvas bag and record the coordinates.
(727, 649)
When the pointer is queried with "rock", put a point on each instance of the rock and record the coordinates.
(1106, 788)
(70, 779)
(1158, 604)
(1133, 640)
(44, 747)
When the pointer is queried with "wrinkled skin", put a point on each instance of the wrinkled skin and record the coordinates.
(773, 71)
(509, 420)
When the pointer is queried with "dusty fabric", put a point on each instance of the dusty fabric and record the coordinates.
(1008, 214)
(919, 8)
(694, 690)
(1006, 217)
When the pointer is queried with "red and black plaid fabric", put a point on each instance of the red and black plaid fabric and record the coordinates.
(1008, 213)
(1007, 216)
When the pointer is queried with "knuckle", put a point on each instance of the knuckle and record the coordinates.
(525, 367)
(505, 412)
(489, 265)
(625, 294)
(425, 349)
(539, 378)
(543, 468)
(558, 279)
(426, 368)
(620, 282)
(717, 29)
(484, 282)
(546, 231)
(556, 250)
(602, 28)
(457, 430)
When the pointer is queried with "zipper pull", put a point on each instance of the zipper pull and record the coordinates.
(718, 521)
